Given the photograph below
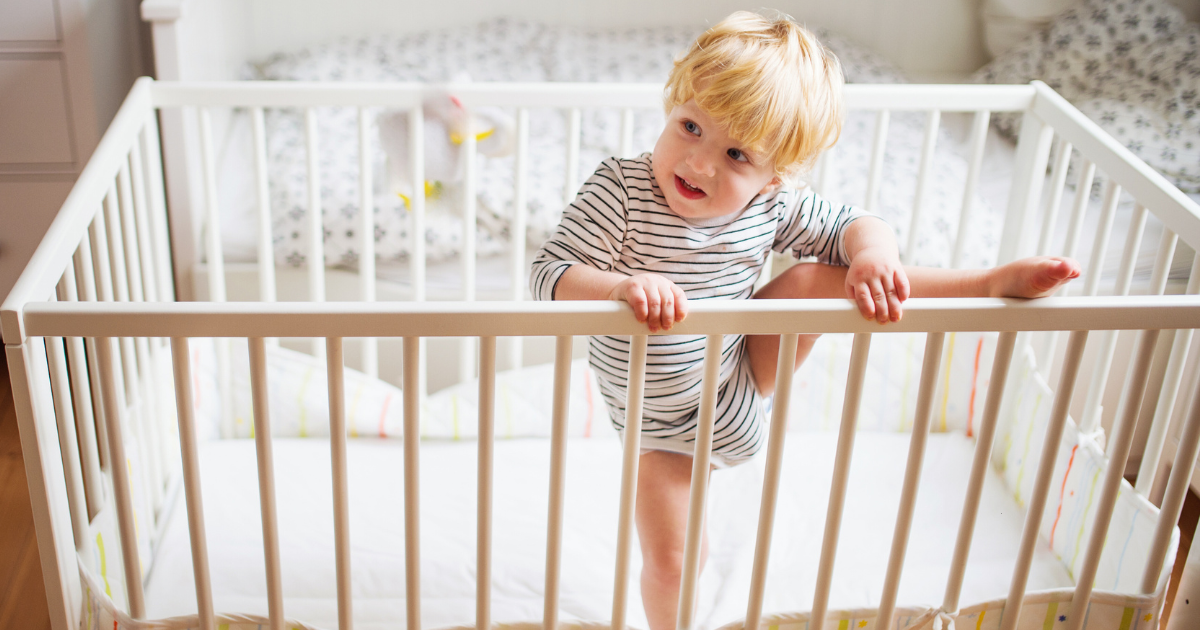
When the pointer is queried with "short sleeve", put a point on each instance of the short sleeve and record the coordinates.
(812, 226)
(591, 231)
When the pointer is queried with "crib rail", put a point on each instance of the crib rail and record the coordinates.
(413, 321)
(86, 331)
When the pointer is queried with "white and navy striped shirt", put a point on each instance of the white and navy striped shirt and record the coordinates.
(620, 222)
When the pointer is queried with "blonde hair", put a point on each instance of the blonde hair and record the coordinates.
(769, 82)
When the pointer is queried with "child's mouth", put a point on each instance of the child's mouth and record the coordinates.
(687, 190)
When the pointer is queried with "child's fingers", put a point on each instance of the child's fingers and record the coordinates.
(667, 312)
(862, 296)
(893, 302)
(903, 290)
(680, 302)
(879, 298)
(635, 296)
(653, 308)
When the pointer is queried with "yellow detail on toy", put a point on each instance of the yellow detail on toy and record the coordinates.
(445, 124)
(433, 190)
(458, 138)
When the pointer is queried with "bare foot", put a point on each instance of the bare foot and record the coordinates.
(1033, 277)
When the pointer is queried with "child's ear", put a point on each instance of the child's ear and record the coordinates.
(775, 182)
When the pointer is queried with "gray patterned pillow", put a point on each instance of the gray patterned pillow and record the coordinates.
(1133, 66)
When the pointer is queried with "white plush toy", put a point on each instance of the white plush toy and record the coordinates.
(447, 124)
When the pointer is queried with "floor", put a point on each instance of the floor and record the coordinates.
(22, 593)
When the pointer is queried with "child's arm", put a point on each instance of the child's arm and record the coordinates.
(656, 301)
(875, 280)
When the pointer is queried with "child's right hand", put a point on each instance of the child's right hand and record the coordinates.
(656, 301)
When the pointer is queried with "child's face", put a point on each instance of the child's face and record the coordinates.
(703, 173)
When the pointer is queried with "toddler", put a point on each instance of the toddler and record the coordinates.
(749, 106)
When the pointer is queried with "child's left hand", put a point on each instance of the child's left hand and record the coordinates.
(877, 283)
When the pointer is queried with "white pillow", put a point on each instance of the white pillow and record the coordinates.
(298, 395)
(1131, 66)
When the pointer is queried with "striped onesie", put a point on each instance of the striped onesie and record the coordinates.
(620, 222)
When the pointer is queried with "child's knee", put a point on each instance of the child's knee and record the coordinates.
(805, 280)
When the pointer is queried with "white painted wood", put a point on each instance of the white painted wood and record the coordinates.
(336, 376)
(694, 537)
(81, 386)
(487, 425)
(979, 466)
(1177, 487)
(1151, 456)
(64, 413)
(1175, 209)
(160, 239)
(785, 369)
(571, 183)
(214, 256)
(43, 469)
(631, 457)
(558, 463)
(927, 146)
(114, 404)
(978, 135)
(144, 238)
(266, 250)
(934, 342)
(412, 482)
(841, 477)
(181, 362)
(1058, 177)
(1090, 419)
(747, 317)
(1041, 487)
(1033, 151)
(316, 226)
(366, 233)
(520, 216)
(1122, 440)
(266, 481)
(878, 147)
(416, 158)
(1112, 194)
(466, 357)
(626, 150)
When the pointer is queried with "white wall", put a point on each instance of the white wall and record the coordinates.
(928, 39)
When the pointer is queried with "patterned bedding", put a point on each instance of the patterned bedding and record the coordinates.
(505, 50)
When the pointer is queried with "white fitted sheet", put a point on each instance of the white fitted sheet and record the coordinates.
(448, 485)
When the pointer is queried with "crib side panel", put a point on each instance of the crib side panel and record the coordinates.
(30, 378)
(87, 403)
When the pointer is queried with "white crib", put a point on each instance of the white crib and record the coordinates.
(92, 325)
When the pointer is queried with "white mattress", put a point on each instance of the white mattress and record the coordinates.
(593, 465)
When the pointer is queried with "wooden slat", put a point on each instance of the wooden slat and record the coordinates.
(558, 455)
(841, 477)
(631, 457)
(266, 480)
(785, 369)
(185, 406)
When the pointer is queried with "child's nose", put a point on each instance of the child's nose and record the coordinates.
(700, 163)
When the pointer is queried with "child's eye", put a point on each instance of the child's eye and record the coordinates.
(691, 127)
(737, 155)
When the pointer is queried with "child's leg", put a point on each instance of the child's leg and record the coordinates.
(1026, 278)
(664, 484)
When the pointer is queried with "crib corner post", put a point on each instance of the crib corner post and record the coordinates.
(47, 484)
